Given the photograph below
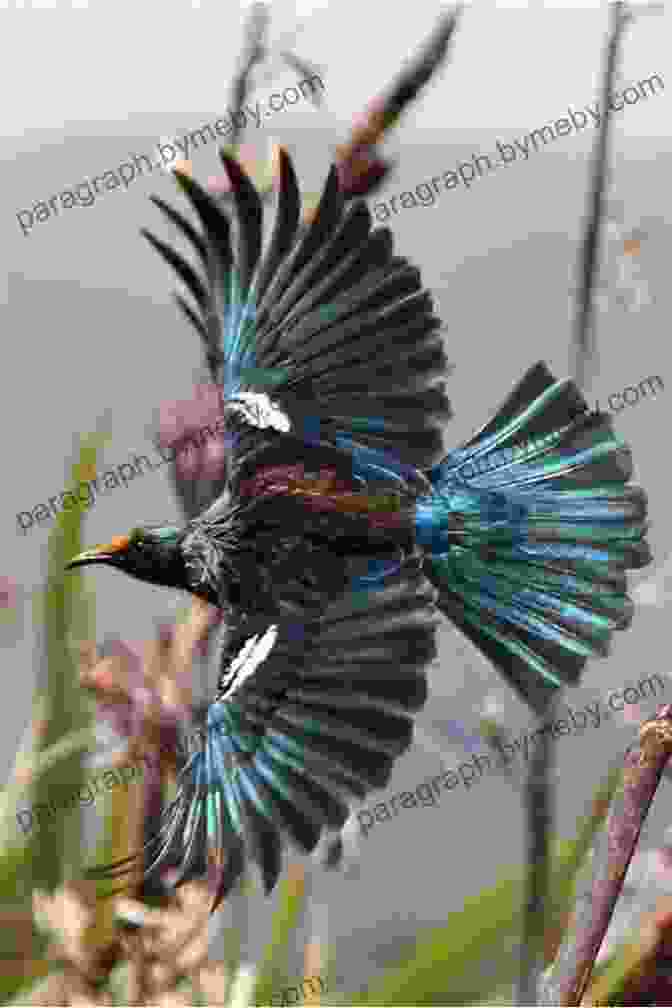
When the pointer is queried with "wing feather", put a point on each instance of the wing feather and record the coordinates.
(313, 722)
(326, 317)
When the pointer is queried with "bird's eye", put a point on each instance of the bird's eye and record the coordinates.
(137, 537)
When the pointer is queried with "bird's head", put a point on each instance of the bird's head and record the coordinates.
(149, 554)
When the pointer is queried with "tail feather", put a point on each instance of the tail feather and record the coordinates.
(530, 529)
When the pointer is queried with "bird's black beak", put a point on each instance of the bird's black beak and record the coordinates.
(100, 554)
(88, 557)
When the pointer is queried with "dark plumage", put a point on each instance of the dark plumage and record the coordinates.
(521, 536)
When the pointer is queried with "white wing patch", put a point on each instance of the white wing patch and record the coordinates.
(260, 411)
(251, 655)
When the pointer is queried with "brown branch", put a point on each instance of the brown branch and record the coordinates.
(644, 764)
(539, 814)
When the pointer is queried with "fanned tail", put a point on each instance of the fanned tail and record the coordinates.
(530, 529)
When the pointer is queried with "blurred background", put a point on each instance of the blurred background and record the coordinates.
(90, 332)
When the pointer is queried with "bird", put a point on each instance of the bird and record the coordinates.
(346, 534)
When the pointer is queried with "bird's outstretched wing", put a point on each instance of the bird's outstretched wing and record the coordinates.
(326, 338)
(319, 712)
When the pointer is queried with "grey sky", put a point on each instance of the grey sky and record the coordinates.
(154, 67)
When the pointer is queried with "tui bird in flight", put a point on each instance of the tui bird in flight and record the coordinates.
(344, 530)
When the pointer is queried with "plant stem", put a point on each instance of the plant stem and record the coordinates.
(538, 811)
(591, 243)
(644, 764)
(253, 53)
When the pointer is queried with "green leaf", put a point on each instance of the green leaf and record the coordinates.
(11, 794)
(273, 975)
(54, 849)
(447, 966)
(63, 716)
(118, 983)
(29, 995)
(609, 980)
(38, 764)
